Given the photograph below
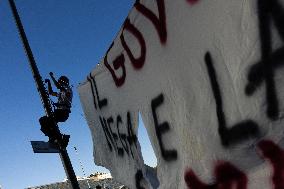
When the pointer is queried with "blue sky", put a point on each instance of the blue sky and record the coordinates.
(68, 38)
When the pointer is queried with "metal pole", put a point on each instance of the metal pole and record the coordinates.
(43, 95)
(69, 169)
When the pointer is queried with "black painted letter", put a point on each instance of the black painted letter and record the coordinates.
(240, 131)
(263, 71)
(168, 155)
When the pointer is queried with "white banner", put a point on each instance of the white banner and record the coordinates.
(207, 78)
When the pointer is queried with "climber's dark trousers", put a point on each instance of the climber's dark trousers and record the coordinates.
(60, 115)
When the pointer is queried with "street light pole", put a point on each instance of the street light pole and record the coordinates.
(44, 97)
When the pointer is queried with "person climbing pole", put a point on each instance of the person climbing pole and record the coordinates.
(63, 105)
(62, 108)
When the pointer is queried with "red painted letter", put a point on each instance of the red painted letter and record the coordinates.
(117, 63)
(192, 1)
(275, 155)
(227, 177)
(136, 62)
(159, 23)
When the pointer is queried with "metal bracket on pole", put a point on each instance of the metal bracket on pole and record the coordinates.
(44, 97)
(44, 147)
